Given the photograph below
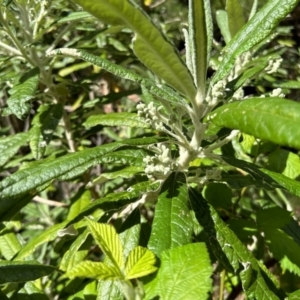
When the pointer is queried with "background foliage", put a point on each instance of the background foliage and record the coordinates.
(146, 147)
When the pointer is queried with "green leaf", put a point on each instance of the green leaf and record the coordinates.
(285, 162)
(115, 201)
(73, 16)
(44, 124)
(17, 271)
(245, 75)
(28, 179)
(181, 272)
(108, 240)
(116, 119)
(160, 90)
(293, 186)
(10, 145)
(127, 172)
(130, 238)
(294, 296)
(73, 256)
(222, 21)
(272, 119)
(236, 18)
(219, 195)
(109, 290)
(256, 30)
(9, 244)
(81, 200)
(150, 45)
(256, 281)
(172, 225)
(140, 262)
(22, 92)
(284, 248)
(95, 270)
(48, 235)
(200, 41)
(262, 178)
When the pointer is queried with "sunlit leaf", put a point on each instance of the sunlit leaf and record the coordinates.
(108, 240)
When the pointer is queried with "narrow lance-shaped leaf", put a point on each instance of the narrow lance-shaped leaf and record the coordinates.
(272, 119)
(222, 21)
(150, 45)
(236, 18)
(27, 179)
(160, 90)
(256, 30)
(200, 42)
(116, 119)
(17, 271)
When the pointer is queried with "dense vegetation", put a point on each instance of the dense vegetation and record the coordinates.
(149, 149)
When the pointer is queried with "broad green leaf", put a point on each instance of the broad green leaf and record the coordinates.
(185, 273)
(127, 172)
(172, 225)
(9, 244)
(160, 90)
(200, 41)
(73, 256)
(236, 18)
(116, 119)
(21, 93)
(284, 248)
(272, 119)
(140, 262)
(150, 45)
(28, 179)
(10, 145)
(108, 240)
(222, 21)
(17, 271)
(285, 162)
(222, 238)
(48, 235)
(44, 124)
(95, 270)
(256, 30)
(109, 290)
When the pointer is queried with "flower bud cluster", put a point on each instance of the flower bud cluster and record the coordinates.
(273, 65)
(161, 164)
(217, 93)
(151, 115)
